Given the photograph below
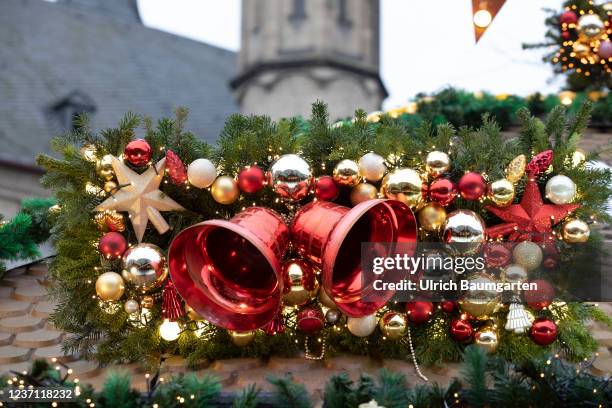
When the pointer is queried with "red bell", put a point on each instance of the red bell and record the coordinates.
(229, 272)
(330, 236)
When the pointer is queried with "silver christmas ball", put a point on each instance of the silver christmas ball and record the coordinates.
(332, 316)
(144, 265)
(290, 177)
(131, 306)
(560, 189)
(372, 166)
(528, 255)
(514, 273)
(464, 232)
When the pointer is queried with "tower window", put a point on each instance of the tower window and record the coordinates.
(64, 113)
(343, 18)
(298, 12)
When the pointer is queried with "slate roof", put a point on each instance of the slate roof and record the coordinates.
(96, 52)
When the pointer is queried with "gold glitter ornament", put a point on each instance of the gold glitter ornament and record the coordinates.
(109, 221)
(516, 169)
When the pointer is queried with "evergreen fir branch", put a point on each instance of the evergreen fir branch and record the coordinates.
(289, 394)
(248, 398)
(117, 391)
(474, 375)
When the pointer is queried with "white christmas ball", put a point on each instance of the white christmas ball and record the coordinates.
(528, 255)
(362, 326)
(201, 173)
(372, 166)
(131, 306)
(560, 190)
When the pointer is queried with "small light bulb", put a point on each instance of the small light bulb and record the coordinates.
(169, 331)
(482, 18)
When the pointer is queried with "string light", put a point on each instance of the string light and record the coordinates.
(482, 18)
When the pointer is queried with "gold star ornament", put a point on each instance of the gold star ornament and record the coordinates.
(140, 196)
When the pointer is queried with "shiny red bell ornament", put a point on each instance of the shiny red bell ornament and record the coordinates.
(229, 272)
(330, 236)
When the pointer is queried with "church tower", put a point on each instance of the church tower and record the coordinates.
(295, 52)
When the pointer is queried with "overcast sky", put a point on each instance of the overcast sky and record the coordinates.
(425, 45)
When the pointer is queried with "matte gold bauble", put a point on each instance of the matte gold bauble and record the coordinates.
(147, 302)
(372, 166)
(242, 339)
(405, 185)
(109, 286)
(363, 192)
(437, 163)
(110, 186)
(362, 326)
(464, 232)
(486, 338)
(393, 325)
(575, 231)
(516, 169)
(104, 167)
(346, 173)
(109, 221)
(144, 266)
(527, 254)
(501, 192)
(225, 190)
(432, 217)
(481, 300)
(300, 283)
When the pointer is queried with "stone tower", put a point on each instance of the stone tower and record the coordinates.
(297, 51)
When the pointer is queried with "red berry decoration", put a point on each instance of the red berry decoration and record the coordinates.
(138, 152)
(461, 330)
(472, 186)
(443, 191)
(310, 320)
(176, 168)
(419, 311)
(568, 17)
(251, 179)
(112, 245)
(543, 331)
(497, 254)
(448, 306)
(540, 298)
(326, 188)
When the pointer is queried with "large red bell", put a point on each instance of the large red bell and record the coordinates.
(331, 236)
(229, 272)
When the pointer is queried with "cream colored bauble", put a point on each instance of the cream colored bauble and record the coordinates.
(372, 166)
(201, 173)
(560, 189)
(362, 326)
(528, 255)
(110, 286)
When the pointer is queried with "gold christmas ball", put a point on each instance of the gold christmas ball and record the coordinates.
(464, 232)
(109, 286)
(346, 173)
(225, 190)
(242, 339)
(109, 220)
(432, 217)
(516, 168)
(144, 265)
(486, 338)
(192, 314)
(481, 300)
(363, 192)
(514, 273)
(501, 192)
(393, 325)
(372, 166)
(527, 254)
(575, 231)
(110, 186)
(147, 302)
(405, 185)
(362, 326)
(437, 163)
(325, 300)
(301, 282)
(590, 27)
(104, 167)
(578, 158)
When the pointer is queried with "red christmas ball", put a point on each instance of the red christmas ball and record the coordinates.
(568, 17)
(310, 320)
(541, 297)
(461, 330)
(251, 179)
(138, 152)
(419, 311)
(566, 35)
(176, 168)
(543, 331)
(472, 186)
(448, 305)
(326, 188)
(112, 245)
(497, 254)
(443, 191)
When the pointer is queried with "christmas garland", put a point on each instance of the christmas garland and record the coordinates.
(485, 381)
(261, 294)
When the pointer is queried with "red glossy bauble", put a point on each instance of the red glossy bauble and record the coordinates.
(568, 17)
(540, 298)
(472, 186)
(138, 152)
(419, 311)
(497, 254)
(461, 330)
(448, 306)
(176, 168)
(112, 245)
(443, 191)
(310, 320)
(251, 179)
(566, 35)
(326, 188)
(543, 331)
